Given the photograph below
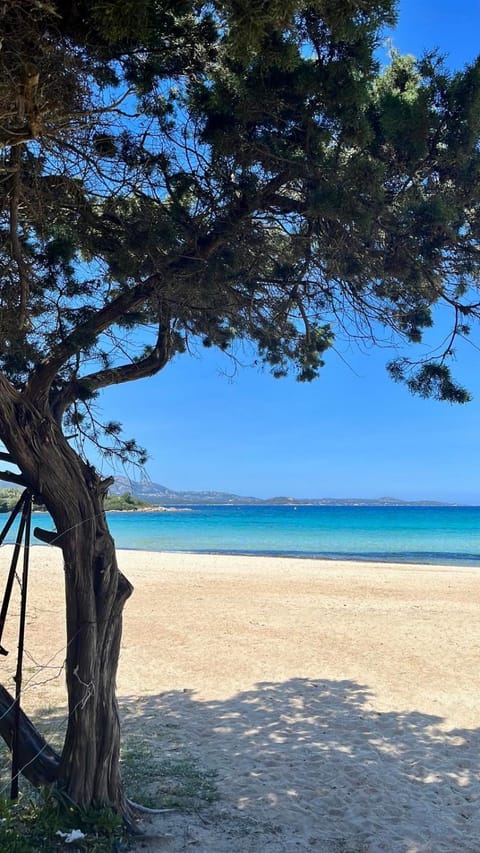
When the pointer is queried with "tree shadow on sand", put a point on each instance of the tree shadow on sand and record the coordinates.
(314, 757)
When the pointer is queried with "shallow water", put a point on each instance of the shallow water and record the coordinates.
(449, 535)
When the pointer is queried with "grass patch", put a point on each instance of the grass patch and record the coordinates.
(168, 783)
(31, 826)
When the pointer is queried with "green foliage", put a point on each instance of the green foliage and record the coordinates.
(31, 826)
(223, 172)
(124, 503)
(430, 380)
(8, 499)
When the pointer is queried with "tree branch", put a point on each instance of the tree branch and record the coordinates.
(39, 762)
(41, 378)
(239, 210)
(10, 477)
(17, 251)
(39, 383)
(129, 372)
(51, 537)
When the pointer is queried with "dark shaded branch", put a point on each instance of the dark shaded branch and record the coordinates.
(40, 381)
(39, 763)
(51, 537)
(105, 484)
(17, 250)
(240, 209)
(10, 477)
(16, 136)
(41, 378)
(148, 366)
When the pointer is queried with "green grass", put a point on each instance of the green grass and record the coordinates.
(166, 783)
(31, 826)
(153, 777)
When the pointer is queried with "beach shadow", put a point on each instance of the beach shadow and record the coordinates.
(316, 756)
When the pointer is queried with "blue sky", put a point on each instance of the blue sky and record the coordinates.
(352, 432)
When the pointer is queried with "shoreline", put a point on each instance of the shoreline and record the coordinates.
(472, 564)
(389, 560)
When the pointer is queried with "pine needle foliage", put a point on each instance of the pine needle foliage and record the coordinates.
(225, 171)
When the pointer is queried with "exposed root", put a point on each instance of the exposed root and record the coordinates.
(145, 810)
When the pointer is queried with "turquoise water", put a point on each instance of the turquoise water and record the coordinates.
(448, 535)
(420, 534)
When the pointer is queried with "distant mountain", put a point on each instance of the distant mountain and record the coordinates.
(155, 493)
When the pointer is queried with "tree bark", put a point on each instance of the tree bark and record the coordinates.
(95, 596)
(95, 593)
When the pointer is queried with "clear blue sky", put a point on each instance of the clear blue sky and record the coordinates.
(352, 432)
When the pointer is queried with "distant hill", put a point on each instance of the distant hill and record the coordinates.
(154, 493)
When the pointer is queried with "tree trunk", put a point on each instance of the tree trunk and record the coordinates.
(95, 595)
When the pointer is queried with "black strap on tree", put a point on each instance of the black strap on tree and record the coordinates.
(23, 535)
(13, 565)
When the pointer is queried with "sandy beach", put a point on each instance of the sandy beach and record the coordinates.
(338, 703)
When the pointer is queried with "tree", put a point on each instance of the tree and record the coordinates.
(184, 171)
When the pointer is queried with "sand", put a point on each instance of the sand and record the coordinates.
(337, 702)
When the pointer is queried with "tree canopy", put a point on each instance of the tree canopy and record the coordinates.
(175, 172)
(225, 171)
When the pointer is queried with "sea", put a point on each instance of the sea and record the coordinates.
(416, 534)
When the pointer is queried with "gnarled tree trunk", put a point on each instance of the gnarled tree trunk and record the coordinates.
(95, 594)
(95, 591)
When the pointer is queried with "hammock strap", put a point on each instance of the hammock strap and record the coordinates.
(26, 519)
(23, 504)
